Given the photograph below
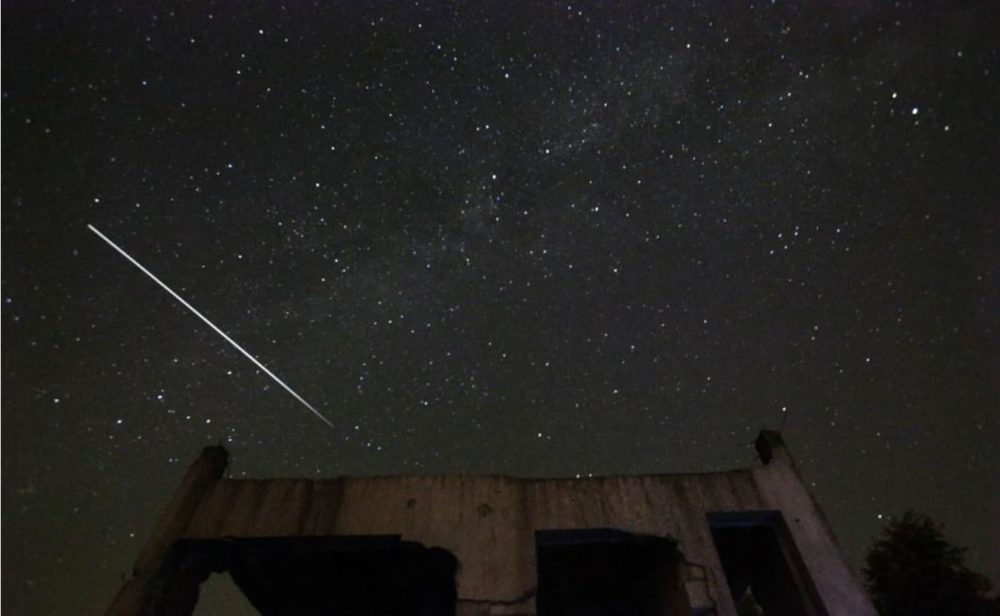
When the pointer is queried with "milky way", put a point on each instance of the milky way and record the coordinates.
(558, 239)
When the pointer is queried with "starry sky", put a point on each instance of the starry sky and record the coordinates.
(547, 239)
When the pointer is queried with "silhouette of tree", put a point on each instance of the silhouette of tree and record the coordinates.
(912, 571)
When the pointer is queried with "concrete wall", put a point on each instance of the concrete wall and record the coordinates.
(488, 523)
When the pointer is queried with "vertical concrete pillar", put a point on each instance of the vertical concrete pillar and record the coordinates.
(198, 481)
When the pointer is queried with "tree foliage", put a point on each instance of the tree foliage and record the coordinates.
(912, 571)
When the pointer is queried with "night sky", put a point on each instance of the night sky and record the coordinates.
(551, 239)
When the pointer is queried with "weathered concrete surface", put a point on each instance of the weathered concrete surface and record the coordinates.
(779, 481)
(198, 481)
(488, 523)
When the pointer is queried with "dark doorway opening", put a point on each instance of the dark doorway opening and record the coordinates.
(605, 572)
(764, 571)
(281, 576)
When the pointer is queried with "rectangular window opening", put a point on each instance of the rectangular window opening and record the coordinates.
(764, 570)
(362, 576)
(603, 572)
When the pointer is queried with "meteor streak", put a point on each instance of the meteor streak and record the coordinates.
(212, 325)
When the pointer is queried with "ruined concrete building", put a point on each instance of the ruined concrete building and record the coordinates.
(735, 542)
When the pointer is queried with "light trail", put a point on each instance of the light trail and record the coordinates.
(212, 325)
